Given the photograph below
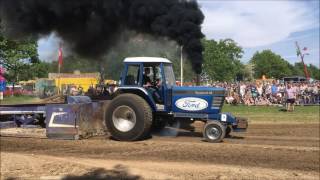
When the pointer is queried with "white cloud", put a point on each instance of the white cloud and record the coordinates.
(48, 47)
(256, 23)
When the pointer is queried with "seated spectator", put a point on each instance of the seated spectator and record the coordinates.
(229, 99)
(263, 101)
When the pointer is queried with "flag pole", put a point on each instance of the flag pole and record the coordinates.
(299, 53)
(59, 66)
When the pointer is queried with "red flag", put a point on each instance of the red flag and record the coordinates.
(60, 56)
(305, 48)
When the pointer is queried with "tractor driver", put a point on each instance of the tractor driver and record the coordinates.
(148, 85)
(146, 79)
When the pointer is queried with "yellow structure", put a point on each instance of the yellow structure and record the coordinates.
(30, 82)
(84, 80)
(109, 81)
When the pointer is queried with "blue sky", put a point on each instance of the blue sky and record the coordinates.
(265, 24)
(254, 24)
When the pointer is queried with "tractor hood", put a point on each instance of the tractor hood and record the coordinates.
(207, 100)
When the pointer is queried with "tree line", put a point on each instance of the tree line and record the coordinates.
(221, 61)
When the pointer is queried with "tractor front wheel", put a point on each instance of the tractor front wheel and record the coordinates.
(214, 131)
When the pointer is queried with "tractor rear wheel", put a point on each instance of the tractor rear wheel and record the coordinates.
(129, 118)
(214, 131)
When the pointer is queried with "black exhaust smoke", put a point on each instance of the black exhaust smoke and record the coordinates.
(91, 27)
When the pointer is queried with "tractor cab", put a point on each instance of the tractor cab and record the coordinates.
(152, 76)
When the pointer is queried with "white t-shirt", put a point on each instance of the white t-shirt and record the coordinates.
(259, 89)
(242, 90)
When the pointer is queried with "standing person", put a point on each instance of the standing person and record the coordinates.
(290, 93)
(303, 93)
(242, 91)
(2, 83)
(268, 91)
(248, 97)
(73, 90)
(296, 89)
(112, 88)
(274, 91)
(315, 92)
(282, 89)
(254, 93)
(259, 89)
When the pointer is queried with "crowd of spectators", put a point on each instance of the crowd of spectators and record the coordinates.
(101, 91)
(271, 93)
(247, 93)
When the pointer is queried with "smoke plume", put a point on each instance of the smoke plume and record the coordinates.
(92, 27)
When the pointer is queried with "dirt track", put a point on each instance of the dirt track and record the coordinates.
(266, 151)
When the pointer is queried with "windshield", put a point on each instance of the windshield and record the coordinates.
(169, 75)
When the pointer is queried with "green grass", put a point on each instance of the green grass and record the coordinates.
(19, 100)
(306, 114)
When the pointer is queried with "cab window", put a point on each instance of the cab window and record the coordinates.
(132, 76)
(152, 75)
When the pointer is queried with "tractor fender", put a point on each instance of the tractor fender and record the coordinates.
(140, 92)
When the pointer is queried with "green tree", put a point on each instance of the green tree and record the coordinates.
(298, 70)
(35, 70)
(314, 71)
(16, 56)
(270, 64)
(222, 60)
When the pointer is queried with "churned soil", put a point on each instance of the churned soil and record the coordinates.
(265, 151)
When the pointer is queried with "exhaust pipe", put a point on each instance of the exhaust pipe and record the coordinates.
(198, 79)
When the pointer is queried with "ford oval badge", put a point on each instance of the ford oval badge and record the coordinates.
(191, 104)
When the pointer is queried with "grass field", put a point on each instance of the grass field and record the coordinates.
(307, 114)
(19, 100)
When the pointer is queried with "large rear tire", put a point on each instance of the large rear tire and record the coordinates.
(129, 118)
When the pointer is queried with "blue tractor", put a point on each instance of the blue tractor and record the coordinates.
(149, 98)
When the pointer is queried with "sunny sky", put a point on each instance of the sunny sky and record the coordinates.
(254, 24)
(265, 24)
